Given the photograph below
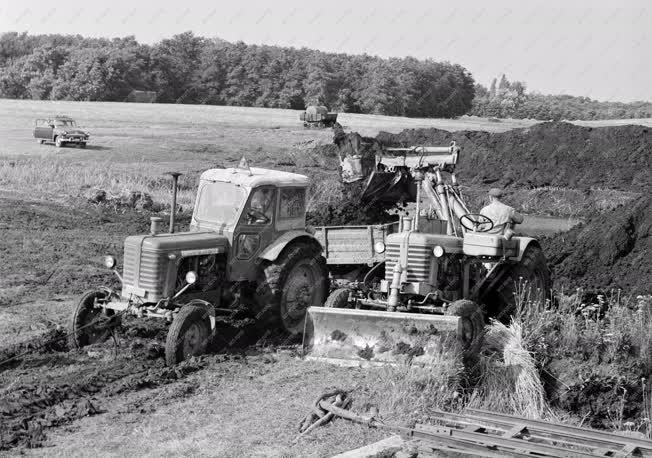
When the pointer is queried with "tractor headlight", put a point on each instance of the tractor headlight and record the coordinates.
(109, 262)
(64, 133)
(438, 251)
(191, 277)
(379, 247)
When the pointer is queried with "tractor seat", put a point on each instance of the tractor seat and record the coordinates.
(492, 245)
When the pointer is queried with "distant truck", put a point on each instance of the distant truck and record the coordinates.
(61, 130)
(318, 116)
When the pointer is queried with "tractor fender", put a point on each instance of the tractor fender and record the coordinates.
(277, 246)
(523, 244)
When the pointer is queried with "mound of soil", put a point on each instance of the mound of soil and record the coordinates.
(547, 154)
(611, 250)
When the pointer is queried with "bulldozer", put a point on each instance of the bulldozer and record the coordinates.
(439, 271)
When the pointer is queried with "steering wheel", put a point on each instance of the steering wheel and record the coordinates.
(476, 222)
(258, 215)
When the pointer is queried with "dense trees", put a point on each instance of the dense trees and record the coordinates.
(510, 100)
(190, 69)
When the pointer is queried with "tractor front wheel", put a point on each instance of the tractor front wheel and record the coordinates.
(298, 279)
(338, 299)
(471, 324)
(189, 334)
(91, 323)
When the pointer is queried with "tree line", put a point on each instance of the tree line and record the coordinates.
(191, 69)
(505, 99)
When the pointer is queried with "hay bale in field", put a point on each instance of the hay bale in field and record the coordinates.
(510, 381)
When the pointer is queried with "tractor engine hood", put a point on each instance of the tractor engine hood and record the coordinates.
(186, 241)
(150, 260)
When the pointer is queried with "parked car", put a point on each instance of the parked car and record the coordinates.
(61, 130)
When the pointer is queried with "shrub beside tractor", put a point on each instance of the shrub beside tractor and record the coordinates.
(396, 286)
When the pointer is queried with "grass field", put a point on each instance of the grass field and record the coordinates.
(133, 145)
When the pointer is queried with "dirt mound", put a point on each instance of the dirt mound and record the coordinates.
(611, 250)
(547, 154)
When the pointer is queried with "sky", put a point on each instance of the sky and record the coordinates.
(599, 49)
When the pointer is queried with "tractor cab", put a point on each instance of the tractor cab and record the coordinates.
(255, 209)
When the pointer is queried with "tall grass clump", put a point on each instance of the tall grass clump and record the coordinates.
(62, 177)
(510, 380)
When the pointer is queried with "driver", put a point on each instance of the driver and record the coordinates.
(261, 203)
(501, 214)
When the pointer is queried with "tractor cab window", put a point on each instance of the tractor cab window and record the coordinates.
(219, 202)
(293, 203)
(260, 210)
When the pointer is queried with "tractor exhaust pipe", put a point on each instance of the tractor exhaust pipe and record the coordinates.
(175, 179)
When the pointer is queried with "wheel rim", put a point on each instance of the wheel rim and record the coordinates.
(298, 294)
(193, 340)
(93, 327)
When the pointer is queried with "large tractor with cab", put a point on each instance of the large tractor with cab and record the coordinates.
(247, 244)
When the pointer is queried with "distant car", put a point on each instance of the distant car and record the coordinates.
(61, 130)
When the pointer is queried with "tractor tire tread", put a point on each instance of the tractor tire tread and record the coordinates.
(275, 274)
(184, 318)
(338, 299)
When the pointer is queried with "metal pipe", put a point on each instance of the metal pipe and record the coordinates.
(175, 179)
(394, 288)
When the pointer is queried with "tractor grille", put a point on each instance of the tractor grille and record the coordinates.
(418, 262)
(130, 263)
(145, 269)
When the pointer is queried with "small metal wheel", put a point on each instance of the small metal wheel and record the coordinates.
(189, 334)
(471, 323)
(90, 323)
(338, 299)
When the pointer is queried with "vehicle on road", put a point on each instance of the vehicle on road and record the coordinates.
(318, 116)
(60, 130)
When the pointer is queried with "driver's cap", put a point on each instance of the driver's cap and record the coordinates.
(496, 192)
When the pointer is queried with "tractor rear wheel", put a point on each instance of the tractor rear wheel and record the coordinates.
(90, 323)
(531, 275)
(298, 279)
(471, 324)
(338, 299)
(189, 334)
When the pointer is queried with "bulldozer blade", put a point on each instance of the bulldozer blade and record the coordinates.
(389, 187)
(352, 337)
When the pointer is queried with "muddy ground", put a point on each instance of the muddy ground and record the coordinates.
(112, 395)
(120, 398)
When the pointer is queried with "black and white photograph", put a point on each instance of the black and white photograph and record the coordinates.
(353, 229)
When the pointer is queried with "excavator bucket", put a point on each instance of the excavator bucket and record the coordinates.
(391, 187)
(352, 337)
